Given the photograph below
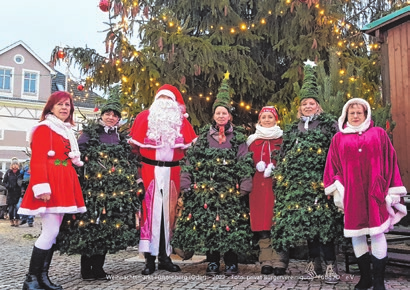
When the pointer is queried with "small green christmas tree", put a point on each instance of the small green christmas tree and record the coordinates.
(110, 194)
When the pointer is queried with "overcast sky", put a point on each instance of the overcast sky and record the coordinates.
(44, 24)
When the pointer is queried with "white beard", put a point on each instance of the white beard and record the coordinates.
(164, 121)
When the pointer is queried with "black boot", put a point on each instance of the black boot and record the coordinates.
(33, 277)
(149, 264)
(86, 273)
(379, 268)
(44, 279)
(365, 281)
(231, 263)
(97, 267)
(213, 259)
(165, 263)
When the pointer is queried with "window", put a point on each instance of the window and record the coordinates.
(30, 82)
(5, 79)
(19, 59)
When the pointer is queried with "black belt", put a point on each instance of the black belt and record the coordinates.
(160, 163)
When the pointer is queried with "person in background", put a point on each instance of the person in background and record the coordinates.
(25, 172)
(54, 188)
(264, 144)
(160, 136)
(363, 175)
(12, 181)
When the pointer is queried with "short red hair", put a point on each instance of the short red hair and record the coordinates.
(54, 99)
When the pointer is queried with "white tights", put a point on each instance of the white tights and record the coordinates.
(49, 231)
(378, 245)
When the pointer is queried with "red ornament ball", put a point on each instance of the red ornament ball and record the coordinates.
(113, 169)
(205, 206)
(61, 54)
(104, 5)
(80, 87)
(96, 109)
(227, 228)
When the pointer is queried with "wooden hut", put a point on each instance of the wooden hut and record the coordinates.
(393, 33)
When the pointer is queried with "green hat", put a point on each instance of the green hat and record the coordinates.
(112, 104)
(223, 99)
(309, 88)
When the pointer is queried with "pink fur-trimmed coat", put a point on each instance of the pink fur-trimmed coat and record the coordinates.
(362, 174)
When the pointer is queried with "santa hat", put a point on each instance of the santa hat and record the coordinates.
(270, 109)
(173, 93)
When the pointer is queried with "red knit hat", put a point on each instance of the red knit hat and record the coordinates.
(269, 109)
(174, 94)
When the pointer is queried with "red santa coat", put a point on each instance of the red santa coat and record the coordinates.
(51, 174)
(162, 184)
(262, 197)
(361, 172)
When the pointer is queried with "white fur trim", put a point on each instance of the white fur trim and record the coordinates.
(167, 93)
(364, 126)
(181, 146)
(395, 217)
(144, 246)
(51, 153)
(368, 231)
(186, 115)
(59, 209)
(41, 188)
(338, 191)
(399, 190)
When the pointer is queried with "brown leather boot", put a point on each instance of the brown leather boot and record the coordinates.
(16, 223)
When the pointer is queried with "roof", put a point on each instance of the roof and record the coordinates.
(84, 98)
(10, 47)
(388, 21)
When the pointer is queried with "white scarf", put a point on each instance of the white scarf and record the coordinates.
(274, 132)
(355, 129)
(64, 130)
(107, 128)
(308, 119)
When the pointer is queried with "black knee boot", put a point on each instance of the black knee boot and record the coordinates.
(86, 273)
(97, 267)
(231, 263)
(33, 277)
(44, 279)
(379, 268)
(213, 259)
(149, 264)
(365, 281)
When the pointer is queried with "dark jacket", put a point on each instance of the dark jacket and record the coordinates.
(10, 181)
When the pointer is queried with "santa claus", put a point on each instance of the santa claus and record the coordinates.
(161, 135)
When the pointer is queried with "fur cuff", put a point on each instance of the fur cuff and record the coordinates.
(41, 188)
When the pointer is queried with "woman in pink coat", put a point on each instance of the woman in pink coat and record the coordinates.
(267, 139)
(362, 174)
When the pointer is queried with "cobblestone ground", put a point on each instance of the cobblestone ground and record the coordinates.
(16, 246)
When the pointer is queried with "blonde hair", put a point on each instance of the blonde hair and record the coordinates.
(319, 108)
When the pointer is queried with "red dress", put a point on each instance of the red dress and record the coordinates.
(262, 197)
(54, 174)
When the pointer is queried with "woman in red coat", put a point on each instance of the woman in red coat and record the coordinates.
(267, 138)
(54, 188)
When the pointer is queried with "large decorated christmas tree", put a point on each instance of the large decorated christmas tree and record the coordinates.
(110, 191)
(215, 215)
(302, 210)
(190, 44)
